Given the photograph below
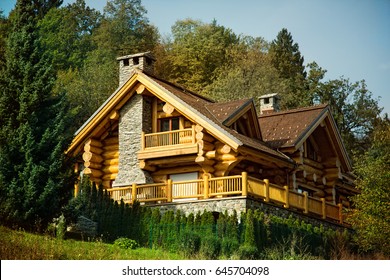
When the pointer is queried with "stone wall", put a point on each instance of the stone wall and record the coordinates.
(135, 117)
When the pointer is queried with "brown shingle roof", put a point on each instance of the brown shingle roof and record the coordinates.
(284, 129)
(223, 111)
(211, 110)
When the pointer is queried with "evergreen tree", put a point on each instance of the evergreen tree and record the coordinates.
(3, 35)
(287, 59)
(33, 174)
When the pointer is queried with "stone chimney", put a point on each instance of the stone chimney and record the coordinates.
(142, 61)
(269, 103)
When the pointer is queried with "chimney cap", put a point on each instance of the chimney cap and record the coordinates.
(276, 95)
(146, 54)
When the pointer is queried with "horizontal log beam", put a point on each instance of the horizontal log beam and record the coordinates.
(145, 166)
(109, 176)
(111, 140)
(93, 172)
(93, 142)
(112, 147)
(92, 165)
(88, 156)
(110, 154)
(112, 161)
(110, 169)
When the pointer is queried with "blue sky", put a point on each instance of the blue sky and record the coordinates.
(349, 38)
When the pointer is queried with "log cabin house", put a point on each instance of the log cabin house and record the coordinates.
(162, 145)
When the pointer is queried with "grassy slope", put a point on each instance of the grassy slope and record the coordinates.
(19, 245)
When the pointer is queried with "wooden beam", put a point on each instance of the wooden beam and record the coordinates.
(139, 88)
(169, 160)
(145, 166)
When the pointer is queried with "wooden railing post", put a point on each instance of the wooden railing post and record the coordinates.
(266, 182)
(323, 208)
(133, 193)
(169, 190)
(287, 195)
(244, 183)
(205, 186)
(306, 203)
(340, 205)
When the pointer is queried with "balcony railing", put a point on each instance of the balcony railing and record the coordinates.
(168, 138)
(239, 185)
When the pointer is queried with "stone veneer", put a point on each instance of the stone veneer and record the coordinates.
(135, 117)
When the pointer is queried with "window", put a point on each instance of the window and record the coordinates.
(311, 152)
(169, 124)
(266, 100)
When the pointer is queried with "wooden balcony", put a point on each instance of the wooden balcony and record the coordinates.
(239, 185)
(168, 143)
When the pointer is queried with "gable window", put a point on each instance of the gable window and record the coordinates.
(311, 152)
(169, 124)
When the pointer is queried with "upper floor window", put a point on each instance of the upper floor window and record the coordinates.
(169, 124)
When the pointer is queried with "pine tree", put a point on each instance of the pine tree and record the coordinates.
(287, 59)
(33, 174)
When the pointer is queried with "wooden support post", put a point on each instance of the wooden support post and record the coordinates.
(206, 186)
(169, 190)
(266, 181)
(287, 195)
(244, 183)
(323, 200)
(306, 203)
(142, 141)
(340, 205)
(133, 193)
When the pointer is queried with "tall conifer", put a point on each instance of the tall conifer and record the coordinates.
(32, 125)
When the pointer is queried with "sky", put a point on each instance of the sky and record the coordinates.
(349, 38)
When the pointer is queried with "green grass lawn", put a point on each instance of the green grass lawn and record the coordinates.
(19, 245)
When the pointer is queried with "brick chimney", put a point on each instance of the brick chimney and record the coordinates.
(142, 61)
(269, 103)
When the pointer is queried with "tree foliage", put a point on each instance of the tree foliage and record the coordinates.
(371, 214)
(33, 123)
(288, 61)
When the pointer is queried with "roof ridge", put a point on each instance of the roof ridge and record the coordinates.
(296, 110)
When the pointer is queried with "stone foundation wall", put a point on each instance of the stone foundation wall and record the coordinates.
(240, 204)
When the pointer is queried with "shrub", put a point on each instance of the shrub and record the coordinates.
(247, 252)
(126, 243)
(229, 246)
(190, 243)
(210, 247)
